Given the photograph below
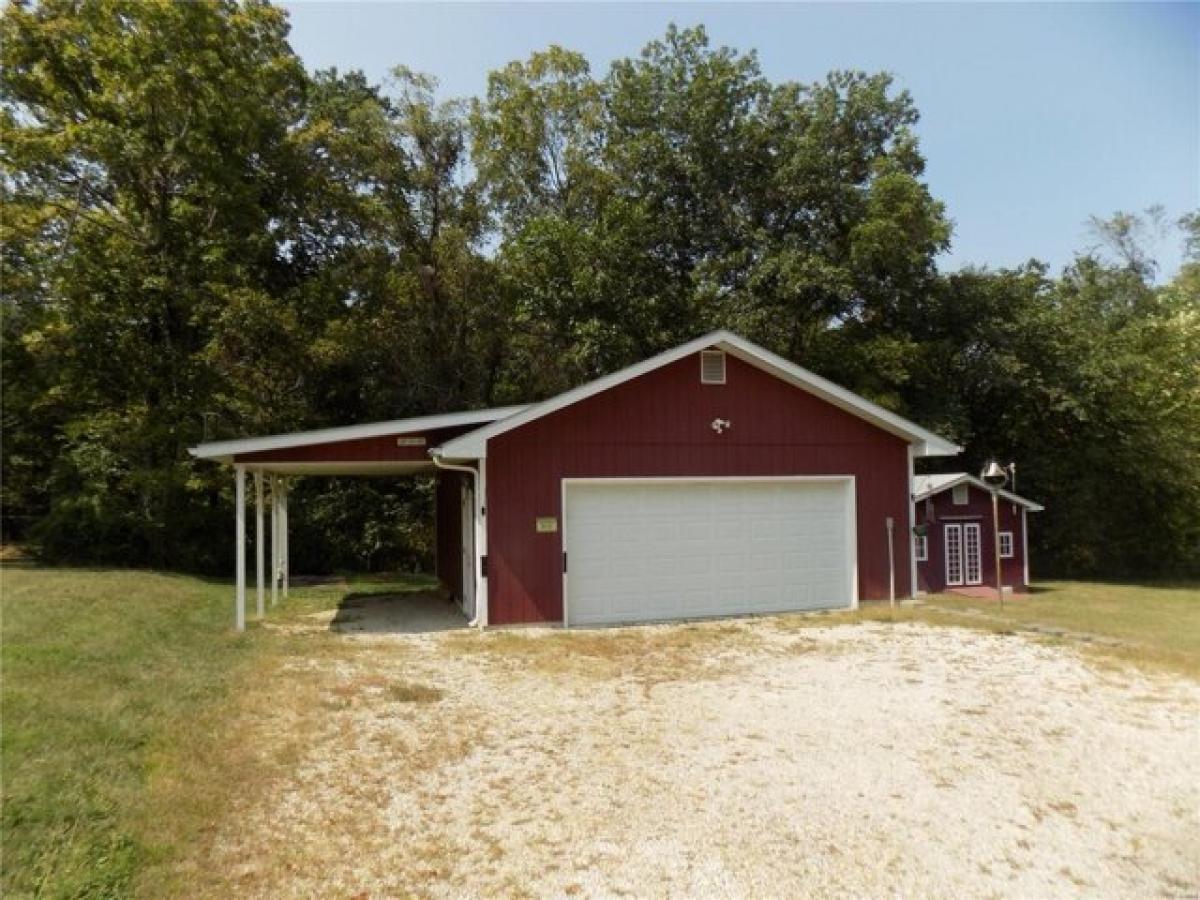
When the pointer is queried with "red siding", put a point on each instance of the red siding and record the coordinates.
(940, 508)
(448, 521)
(659, 425)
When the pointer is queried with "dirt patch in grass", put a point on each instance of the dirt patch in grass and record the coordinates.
(203, 769)
(647, 654)
(365, 725)
(406, 692)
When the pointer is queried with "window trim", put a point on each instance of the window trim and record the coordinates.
(966, 495)
(1011, 546)
(921, 547)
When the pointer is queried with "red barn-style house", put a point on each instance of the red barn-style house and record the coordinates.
(955, 538)
(713, 479)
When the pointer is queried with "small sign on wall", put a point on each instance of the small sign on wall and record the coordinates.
(410, 442)
(546, 524)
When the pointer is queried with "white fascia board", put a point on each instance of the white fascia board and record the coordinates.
(473, 445)
(982, 485)
(224, 451)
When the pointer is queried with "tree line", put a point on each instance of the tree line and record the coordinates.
(202, 240)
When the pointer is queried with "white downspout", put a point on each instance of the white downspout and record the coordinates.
(479, 484)
(1025, 544)
(912, 525)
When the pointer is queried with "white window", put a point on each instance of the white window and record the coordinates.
(921, 547)
(1006, 545)
(961, 495)
(712, 367)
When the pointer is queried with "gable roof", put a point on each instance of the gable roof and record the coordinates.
(224, 451)
(925, 486)
(473, 445)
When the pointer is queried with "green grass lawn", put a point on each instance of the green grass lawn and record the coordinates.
(1162, 622)
(116, 685)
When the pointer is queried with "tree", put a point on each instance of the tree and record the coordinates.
(201, 240)
(146, 159)
(1091, 382)
(684, 192)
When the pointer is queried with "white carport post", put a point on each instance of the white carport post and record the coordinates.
(274, 539)
(240, 554)
(285, 562)
(258, 540)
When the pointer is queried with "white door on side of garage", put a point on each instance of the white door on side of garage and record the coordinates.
(656, 549)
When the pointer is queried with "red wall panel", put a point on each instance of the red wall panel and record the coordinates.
(659, 425)
(940, 509)
(448, 524)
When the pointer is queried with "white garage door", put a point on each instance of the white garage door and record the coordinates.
(640, 550)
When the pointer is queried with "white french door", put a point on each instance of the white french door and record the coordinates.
(972, 553)
(964, 560)
(952, 541)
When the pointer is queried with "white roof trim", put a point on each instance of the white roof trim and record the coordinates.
(361, 467)
(925, 486)
(473, 445)
(224, 451)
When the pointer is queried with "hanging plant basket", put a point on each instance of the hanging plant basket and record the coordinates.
(921, 530)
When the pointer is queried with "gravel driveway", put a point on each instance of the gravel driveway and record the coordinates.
(755, 758)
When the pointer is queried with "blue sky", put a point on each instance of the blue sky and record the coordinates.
(1032, 117)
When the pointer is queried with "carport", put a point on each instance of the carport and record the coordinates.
(396, 447)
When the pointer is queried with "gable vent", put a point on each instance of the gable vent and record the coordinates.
(712, 367)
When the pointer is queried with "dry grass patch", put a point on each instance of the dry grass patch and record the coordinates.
(254, 740)
(341, 701)
(406, 692)
(645, 653)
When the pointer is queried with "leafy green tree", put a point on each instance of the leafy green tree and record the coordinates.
(146, 156)
(201, 240)
(1091, 382)
(683, 191)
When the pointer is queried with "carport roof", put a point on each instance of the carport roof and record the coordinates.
(224, 451)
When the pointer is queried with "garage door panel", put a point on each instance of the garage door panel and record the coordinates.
(641, 551)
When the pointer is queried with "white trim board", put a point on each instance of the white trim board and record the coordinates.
(337, 467)
(473, 445)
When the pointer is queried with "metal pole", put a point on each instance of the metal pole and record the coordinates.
(258, 541)
(996, 543)
(285, 551)
(891, 564)
(239, 614)
(274, 539)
